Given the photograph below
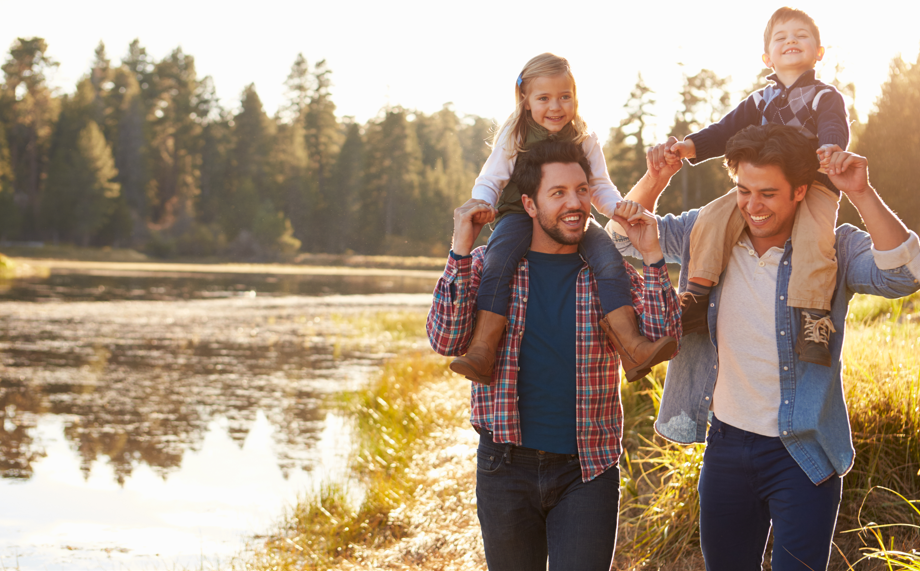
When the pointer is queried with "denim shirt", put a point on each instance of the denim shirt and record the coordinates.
(813, 421)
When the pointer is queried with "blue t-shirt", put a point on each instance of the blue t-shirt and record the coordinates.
(546, 381)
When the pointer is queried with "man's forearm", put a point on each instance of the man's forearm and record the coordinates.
(647, 191)
(885, 228)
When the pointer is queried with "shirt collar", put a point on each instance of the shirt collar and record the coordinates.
(804, 79)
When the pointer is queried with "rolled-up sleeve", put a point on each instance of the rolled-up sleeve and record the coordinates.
(655, 302)
(453, 306)
(907, 254)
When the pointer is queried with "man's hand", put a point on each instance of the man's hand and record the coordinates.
(468, 222)
(850, 173)
(641, 228)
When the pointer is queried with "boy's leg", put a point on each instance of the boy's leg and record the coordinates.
(814, 271)
(717, 229)
(507, 245)
(637, 353)
(715, 233)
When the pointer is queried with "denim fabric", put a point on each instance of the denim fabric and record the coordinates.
(534, 504)
(510, 240)
(812, 421)
(607, 264)
(508, 243)
(749, 481)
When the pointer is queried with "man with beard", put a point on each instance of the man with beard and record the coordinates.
(550, 423)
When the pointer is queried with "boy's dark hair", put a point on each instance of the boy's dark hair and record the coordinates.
(777, 145)
(528, 171)
(783, 15)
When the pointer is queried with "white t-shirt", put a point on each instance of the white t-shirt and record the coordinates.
(747, 393)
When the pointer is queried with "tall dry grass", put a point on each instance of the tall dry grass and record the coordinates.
(660, 505)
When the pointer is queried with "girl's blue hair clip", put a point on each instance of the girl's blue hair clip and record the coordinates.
(520, 79)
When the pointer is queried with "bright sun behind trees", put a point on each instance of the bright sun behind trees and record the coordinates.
(144, 155)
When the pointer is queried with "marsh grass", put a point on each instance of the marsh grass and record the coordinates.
(392, 416)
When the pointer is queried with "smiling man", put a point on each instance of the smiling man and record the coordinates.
(550, 424)
(779, 438)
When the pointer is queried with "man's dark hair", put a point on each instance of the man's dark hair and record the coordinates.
(777, 145)
(528, 171)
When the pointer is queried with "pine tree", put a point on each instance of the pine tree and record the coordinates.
(29, 112)
(323, 138)
(348, 180)
(9, 214)
(891, 131)
(705, 99)
(626, 146)
(392, 167)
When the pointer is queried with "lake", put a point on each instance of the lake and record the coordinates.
(162, 421)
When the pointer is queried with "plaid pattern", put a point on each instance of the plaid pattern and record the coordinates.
(599, 414)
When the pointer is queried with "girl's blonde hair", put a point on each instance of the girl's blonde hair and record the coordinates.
(543, 65)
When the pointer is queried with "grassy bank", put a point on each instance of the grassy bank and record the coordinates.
(414, 457)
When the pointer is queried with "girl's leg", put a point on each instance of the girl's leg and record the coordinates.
(636, 352)
(509, 242)
(613, 285)
(814, 257)
(717, 229)
(814, 272)
(507, 245)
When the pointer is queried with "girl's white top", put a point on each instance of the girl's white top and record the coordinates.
(496, 173)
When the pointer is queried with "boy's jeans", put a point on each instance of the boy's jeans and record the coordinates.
(533, 503)
(749, 480)
(510, 241)
(814, 259)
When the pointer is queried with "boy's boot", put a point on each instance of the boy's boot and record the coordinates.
(812, 344)
(637, 353)
(477, 364)
(694, 313)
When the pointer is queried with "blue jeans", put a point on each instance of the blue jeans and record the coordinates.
(510, 240)
(532, 504)
(749, 481)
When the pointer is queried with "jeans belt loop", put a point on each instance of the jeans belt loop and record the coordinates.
(507, 454)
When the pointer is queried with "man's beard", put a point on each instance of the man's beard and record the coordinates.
(552, 229)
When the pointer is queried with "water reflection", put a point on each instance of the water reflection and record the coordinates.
(138, 382)
(169, 429)
(105, 286)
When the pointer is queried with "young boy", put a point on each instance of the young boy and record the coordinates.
(792, 46)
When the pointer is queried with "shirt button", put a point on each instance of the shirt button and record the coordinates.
(751, 252)
(707, 398)
(782, 332)
(785, 402)
(782, 297)
(785, 368)
(785, 263)
(715, 366)
(785, 433)
(712, 305)
(524, 299)
(760, 264)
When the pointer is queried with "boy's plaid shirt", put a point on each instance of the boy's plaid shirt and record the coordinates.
(599, 413)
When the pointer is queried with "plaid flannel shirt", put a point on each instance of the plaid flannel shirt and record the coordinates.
(599, 414)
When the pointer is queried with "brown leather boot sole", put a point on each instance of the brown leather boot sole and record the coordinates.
(645, 367)
(461, 366)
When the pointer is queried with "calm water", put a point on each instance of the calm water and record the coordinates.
(165, 428)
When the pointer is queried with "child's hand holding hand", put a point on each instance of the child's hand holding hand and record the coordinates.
(825, 152)
(685, 149)
(485, 216)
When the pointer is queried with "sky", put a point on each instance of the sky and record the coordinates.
(423, 54)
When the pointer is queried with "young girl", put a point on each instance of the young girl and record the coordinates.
(546, 107)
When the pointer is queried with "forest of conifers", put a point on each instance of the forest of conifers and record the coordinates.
(143, 155)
